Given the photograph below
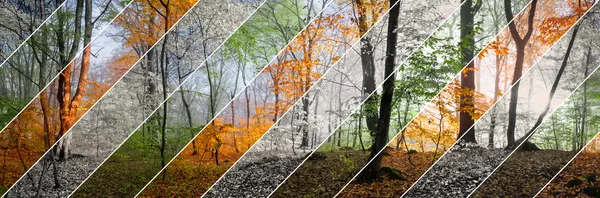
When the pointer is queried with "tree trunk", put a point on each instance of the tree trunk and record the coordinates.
(304, 125)
(315, 110)
(467, 79)
(360, 122)
(188, 113)
(554, 86)
(371, 171)
(520, 44)
(217, 147)
(68, 106)
(235, 143)
(584, 113)
(164, 60)
(493, 113)
(42, 62)
(368, 68)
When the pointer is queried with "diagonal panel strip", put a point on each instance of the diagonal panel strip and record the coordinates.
(314, 52)
(539, 158)
(233, 59)
(558, 143)
(130, 101)
(480, 160)
(578, 177)
(21, 20)
(419, 80)
(83, 80)
(36, 63)
(46, 55)
(280, 150)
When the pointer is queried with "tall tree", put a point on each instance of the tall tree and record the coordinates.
(467, 79)
(371, 172)
(69, 105)
(164, 63)
(528, 145)
(367, 61)
(520, 43)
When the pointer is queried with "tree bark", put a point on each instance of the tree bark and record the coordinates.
(467, 79)
(371, 171)
(552, 90)
(164, 60)
(368, 68)
(188, 113)
(520, 44)
(584, 112)
(69, 107)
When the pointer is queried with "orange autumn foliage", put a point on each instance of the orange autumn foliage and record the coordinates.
(296, 70)
(302, 63)
(552, 28)
(119, 66)
(496, 46)
(218, 133)
(367, 13)
(143, 26)
(437, 124)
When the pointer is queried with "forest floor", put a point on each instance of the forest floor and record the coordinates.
(132, 171)
(10, 171)
(386, 186)
(68, 182)
(325, 182)
(257, 176)
(577, 179)
(198, 172)
(459, 172)
(524, 173)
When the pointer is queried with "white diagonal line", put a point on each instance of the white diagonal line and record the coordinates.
(510, 87)
(26, 172)
(236, 96)
(348, 117)
(169, 96)
(409, 123)
(297, 102)
(567, 164)
(58, 74)
(33, 33)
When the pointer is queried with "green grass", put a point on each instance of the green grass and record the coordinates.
(123, 175)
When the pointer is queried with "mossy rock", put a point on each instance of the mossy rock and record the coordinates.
(590, 178)
(393, 173)
(317, 156)
(592, 191)
(574, 182)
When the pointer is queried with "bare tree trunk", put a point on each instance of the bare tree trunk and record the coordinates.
(554, 131)
(493, 110)
(520, 44)
(188, 113)
(467, 81)
(552, 91)
(68, 106)
(371, 171)
(164, 61)
(368, 68)
(304, 126)
(584, 113)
